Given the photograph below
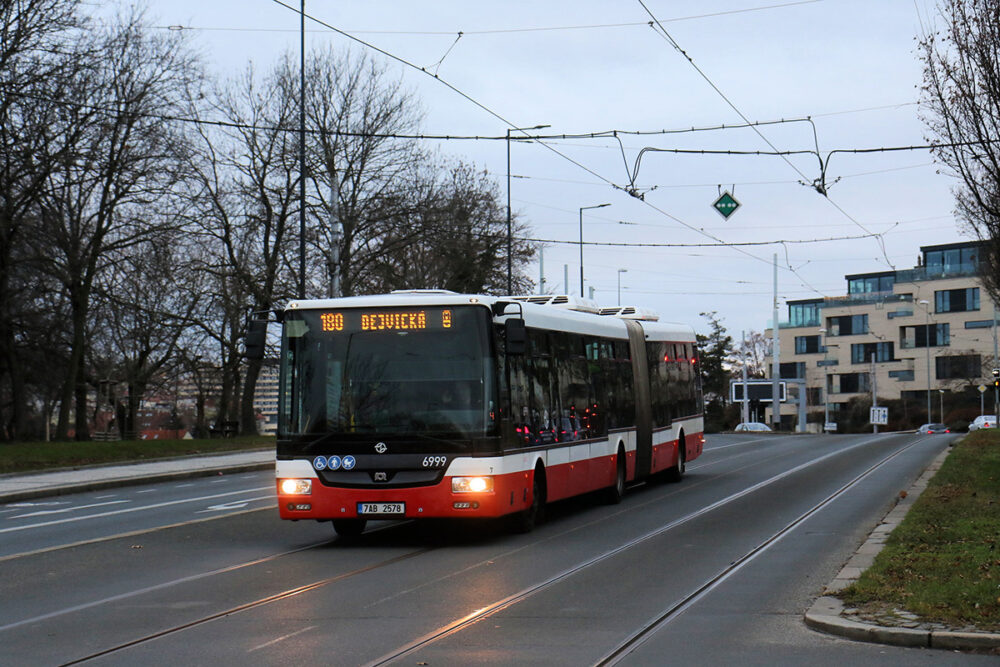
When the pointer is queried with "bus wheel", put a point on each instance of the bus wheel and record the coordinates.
(349, 527)
(614, 493)
(676, 473)
(526, 520)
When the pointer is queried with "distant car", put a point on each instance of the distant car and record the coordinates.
(934, 428)
(983, 421)
(752, 426)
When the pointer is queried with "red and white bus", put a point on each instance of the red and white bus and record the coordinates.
(435, 404)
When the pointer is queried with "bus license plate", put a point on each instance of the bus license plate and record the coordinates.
(382, 508)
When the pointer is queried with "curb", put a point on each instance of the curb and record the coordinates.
(827, 613)
(117, 482)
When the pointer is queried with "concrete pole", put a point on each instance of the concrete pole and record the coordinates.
(745, 407)
(776, 357)
(874, 390)
(541, 270)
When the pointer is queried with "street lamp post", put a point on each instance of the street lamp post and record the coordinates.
(510, 249)
(927, 343)
(941, 404)
(582, 209)
(620, 272)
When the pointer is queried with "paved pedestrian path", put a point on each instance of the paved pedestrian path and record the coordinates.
(89, 478)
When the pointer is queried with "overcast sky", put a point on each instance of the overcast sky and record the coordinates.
(586, 67)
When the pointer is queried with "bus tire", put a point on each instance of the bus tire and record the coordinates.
(676, 473)
(349, 527)
(526, 520)
(614, 493)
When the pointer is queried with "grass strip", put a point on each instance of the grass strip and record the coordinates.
(36, 456)
(942, 563)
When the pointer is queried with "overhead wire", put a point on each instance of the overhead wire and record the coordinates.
(733, 106)
(501, 31)
(496, 115)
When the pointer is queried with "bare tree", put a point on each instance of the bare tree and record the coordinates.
(754, 350)
(34, 68)
(458, 239)
(145, 304)
(120, 159)
(960, 100)
(362, 174)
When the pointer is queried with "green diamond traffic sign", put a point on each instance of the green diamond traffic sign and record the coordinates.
(726, 205)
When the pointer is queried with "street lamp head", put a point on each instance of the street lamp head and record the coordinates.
(924, 302)
(622, 270)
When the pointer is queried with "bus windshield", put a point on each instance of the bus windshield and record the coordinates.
(388, 371)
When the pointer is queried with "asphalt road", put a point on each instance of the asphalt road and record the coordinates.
(717, 569)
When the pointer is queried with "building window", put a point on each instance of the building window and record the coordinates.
(793, 370)
(806, 344)
(814, 396)
(902, 376)
(951, 260)
(849, 383)
(804, 314)
(921, 335)
(848, 325)
(956, 300)
(861, 353)
(979, 324)
(869, 284)
(958, 367)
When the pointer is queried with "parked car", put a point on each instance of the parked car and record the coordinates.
(934, 428)
(983, 421)
(752, 426)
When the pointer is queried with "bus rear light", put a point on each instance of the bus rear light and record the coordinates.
(296, 487)
(471, 484)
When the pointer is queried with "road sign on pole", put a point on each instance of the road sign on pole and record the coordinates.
(726, 205)
(878, 416)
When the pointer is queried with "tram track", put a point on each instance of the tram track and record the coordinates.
(277, 597)
(674, 610)
(456, 626)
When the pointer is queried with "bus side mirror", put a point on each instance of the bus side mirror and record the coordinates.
(515, 337)
(254, 343)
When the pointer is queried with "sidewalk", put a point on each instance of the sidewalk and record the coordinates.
(59, 482)
(829, 615)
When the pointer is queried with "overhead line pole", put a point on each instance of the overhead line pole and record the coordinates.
(302, 150)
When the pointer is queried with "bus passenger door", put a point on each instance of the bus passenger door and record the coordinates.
(643, 412)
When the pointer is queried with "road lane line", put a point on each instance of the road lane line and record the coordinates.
(160, 586)
(132, 509)
(281, 639)
(132, 533)
(68, 509)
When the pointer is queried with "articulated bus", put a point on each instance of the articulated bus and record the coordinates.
(435, 404)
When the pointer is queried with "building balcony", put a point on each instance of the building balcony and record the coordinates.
(937, 272)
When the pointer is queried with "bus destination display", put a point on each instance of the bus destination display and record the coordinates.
(386, 320)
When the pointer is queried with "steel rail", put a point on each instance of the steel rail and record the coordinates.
(489, 610)
(649, 628)
(277, 597)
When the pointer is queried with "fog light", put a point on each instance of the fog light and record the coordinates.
(471, 484)
(296, 487)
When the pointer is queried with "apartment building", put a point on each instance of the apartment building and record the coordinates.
(913, 332)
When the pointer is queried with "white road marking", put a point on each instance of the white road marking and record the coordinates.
(235, 505)
(68, 509)
(133, 509)
(281, 639)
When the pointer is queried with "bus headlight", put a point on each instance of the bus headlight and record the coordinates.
(296, 487)
(471, 484)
